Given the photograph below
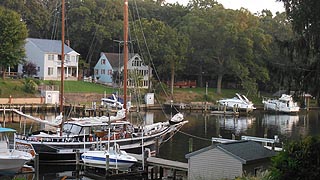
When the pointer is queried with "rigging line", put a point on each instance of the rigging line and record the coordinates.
(162, 108)
(139, 47)
(197, 137)
(172, 135)
(145, 42)
(55, 20)
(91, 48)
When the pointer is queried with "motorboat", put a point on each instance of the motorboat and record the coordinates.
(118, 159)
(240, 103)
(82, 135)
(284, 104)
(113, 101)
(11, 159)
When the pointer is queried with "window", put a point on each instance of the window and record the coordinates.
(50, 57)
(103, 61)
(38, 68)
(73, 58)
(110, 72)
(67, 57)
(103, 71)
(96, 71)
(50, 71)
(59, 57)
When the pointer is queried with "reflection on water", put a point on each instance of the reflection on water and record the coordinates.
(235, 123)
(284, 122)
(202, 127)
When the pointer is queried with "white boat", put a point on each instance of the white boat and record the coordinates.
(112, 101)
(239, 102)
(11, 160)
(118, 159)
(284, 104)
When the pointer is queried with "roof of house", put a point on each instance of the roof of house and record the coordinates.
(48, 45)
(116, 58)
(245, 151)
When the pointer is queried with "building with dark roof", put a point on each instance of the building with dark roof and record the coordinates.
(110, 63)
(228, 160)
(46, 55)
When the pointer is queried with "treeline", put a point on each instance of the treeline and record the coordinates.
(202, 41)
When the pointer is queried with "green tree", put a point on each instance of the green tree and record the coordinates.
(165, 48)
(298, 160)
(226, 43)
(306, 23)
(13, 33)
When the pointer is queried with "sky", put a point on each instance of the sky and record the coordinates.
(253, 6)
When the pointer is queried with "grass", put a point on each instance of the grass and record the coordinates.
(15, 88)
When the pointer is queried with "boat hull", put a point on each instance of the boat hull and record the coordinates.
(99, 158)
(11, 165)
(49, 150)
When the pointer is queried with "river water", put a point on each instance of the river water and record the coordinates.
(200, 129)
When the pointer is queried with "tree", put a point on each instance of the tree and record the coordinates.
(13, 33)
(226, 43)
(29, 69)
(298, 160)
(306, 23)
(165, 48)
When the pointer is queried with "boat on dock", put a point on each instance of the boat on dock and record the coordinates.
(113, 156)
(238, 103)
(284, 104)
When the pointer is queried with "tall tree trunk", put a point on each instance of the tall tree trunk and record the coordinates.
(219, 83)
(4, 70)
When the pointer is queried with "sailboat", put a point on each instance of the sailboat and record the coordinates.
(83, 135)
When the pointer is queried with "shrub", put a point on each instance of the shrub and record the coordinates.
(30, 86)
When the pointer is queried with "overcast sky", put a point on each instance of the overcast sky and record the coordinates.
(252, 5)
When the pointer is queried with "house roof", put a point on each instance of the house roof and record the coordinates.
(48, 45)
(115, 58)
(245, 151)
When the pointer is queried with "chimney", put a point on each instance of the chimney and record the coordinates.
(68, 42)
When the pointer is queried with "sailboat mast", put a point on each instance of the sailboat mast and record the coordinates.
(125, 52)
(62, 58)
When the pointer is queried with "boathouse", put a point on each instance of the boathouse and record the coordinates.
(228, 160)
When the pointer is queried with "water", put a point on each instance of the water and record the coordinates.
(198, 133)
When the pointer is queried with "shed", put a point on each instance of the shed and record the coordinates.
(228, 160)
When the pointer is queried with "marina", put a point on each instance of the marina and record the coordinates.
(199, 131)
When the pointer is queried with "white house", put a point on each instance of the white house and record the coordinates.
(46, 54)
(110, 63)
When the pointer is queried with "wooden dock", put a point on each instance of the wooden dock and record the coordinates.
(169, 164)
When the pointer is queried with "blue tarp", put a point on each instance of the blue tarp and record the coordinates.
(6, 130)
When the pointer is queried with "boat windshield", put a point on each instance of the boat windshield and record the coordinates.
(73, 129)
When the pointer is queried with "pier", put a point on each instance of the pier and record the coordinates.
(155, 167)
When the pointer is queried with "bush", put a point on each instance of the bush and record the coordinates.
(30, 86)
